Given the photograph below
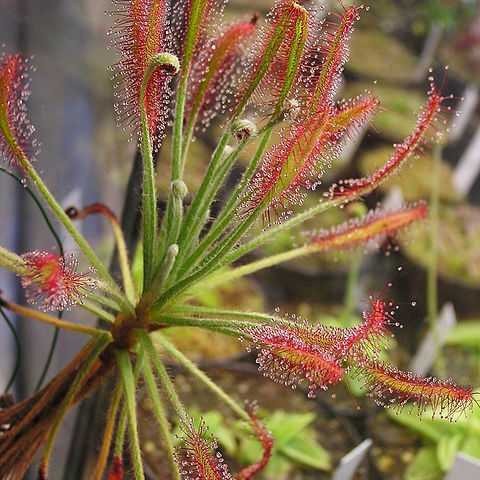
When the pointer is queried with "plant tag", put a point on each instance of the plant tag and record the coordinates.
(464, 467)
(467, 108)
(425, 356)
(468, 167)
(350, 462)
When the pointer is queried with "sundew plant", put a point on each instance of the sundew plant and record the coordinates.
(178, 67)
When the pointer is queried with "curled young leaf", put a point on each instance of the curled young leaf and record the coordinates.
(140, 34)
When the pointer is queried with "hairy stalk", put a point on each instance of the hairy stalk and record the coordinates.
(160, 415)
(218, 312)
(229, 327)
(128, 381)
(104, 300)
(200, 216)
(162, 373)
(204, 198)
(124, 263)
(190, 366)
(108, 432)
(193, 213)
(228, 212)
(272, 232)
(220, 277)
(48, 319)
(10, 258)
(212, 261)
(149, 194)
(97, 311)
(122, 422)
(166, 266)
(194, 24)
(179, 191)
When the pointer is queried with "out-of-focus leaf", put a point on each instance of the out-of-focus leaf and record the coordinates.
(285, 426)
(308, 452)
(471, 445)
(424, 466)
(465, 333)
(447, 447)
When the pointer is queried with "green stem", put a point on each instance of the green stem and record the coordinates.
(7, 257)
(283, 227)
(124, 263)
(149, 199)
(163, 375)
(160, 415)
(104, 300)
(228, 212)
(218, 312)
(97, 311)
(228, 327)
(220, 393)
(212, 261)
(197, 9)
(178, 192)
(122, 423)
(165, 267)
(129, 387)
(191, 220)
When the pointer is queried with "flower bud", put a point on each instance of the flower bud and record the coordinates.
(179, 189)
(243, 129)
